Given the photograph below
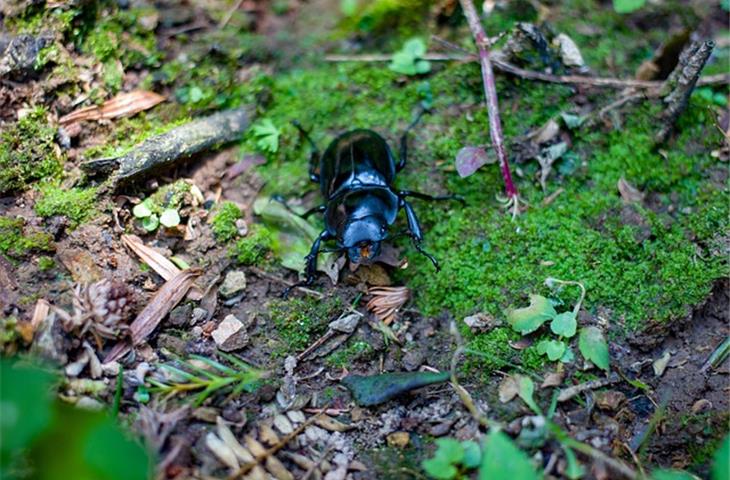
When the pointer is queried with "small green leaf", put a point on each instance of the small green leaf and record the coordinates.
(439, 468)
(564, 324)
(170, 218)
(554, 349)
(472, 454)
(593, 347)
(502, 459)
(568, 356)
(528, 319)
(348, 7)
(142, 210)
(450, 449)
(415, 46)
(375, 389)
(627, 6)
(526, 390)
(572, 121)
(404, 63)
(267, 135)
(721, 461)
(423, 66)
(151, 223)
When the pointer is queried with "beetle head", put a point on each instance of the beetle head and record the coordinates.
(361, 238)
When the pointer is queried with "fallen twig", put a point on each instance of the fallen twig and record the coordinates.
(680, 84)
(274, 278)
(123, 105)
(181, 142)
(490, 92)
(566, 394)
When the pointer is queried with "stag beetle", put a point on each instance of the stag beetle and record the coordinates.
(356, 174)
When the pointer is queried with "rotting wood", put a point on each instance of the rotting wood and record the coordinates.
(180, 142)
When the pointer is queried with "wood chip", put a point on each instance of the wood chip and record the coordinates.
(166, 298)
(40, 312)
(123, 105)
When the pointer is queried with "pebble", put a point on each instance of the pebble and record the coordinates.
(199, 314)
(230, 334)
(398, 439)
(234, 283)
(610, 400)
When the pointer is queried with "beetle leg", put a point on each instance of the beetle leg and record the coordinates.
(414, 230)
(305, 215)
(314, 156)
(311, 263)
(317, 209)
(404, 142)
(431, 198)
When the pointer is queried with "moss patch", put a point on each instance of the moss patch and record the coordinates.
(76, 204)
(224, 221)
(297, 321)
(28, 152)
(251, 249)
(17, 241)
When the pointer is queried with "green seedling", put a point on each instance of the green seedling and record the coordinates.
(453, 459)
(409, 59)
(267, 136)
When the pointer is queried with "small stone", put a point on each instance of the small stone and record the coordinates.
(233, 284)
(172, 343)
(231, 334)
(296, 416)
(110, 369)
(413, 359)
(398, 439)
(610, 400)
(441, 429)
(242, 227)
(346, 324)
(205, 414)
(197, 332)
(198, 315)
(482, 322)
(180, 315)
(88, 403)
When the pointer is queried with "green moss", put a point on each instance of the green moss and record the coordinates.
(17, 241)
(344, 356)
(46, 263)
(76, 204)
(252, 248)
(28, 152)
(297, 321)
(490, 351)
(224, 221)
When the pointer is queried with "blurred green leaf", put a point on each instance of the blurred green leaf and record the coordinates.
(573, 470)
(627, 6)
(376, 389)
(267, 135)
(593, 347)
(472, 454)
(528, 319)
(408, 59)
(672, 475)
(502, 459)
(170, 218)
(25, 406)
(526, 390)
(721, 461)
(151, 223)
(554, 349)
(564, 324)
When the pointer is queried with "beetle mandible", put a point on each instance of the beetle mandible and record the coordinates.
(356, 175)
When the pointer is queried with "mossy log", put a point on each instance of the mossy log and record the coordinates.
(181, 142)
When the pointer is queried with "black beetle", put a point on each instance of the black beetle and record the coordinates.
(356, 175)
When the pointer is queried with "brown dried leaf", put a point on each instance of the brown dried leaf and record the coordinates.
(157, 261)
(277, 469)
(508, 389)
(254, 446)
(81, 264)
(629, 193)
(40, 312)
(166, 298)
(329, 423)
(123, 105)
(222, 451)
(553, 379)
(386, 301)
(267, 434)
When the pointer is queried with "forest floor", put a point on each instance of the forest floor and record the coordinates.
(641, 228)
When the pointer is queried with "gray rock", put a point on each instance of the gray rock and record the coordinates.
(233, 284)
(199, 314)
(20, 53)
(230, 334)
(180, 315)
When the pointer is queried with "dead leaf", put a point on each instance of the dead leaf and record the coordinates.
(553, 379)
(222, 451)
(629, 193)
(166, 298)
(508, 389)
(156, 261)
(40, 312)
(123, 105)
(471, 159)
(386, 301)
(229, 439)
(329, 423)
(546, 133)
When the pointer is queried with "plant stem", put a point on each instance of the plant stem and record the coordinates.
(490, 92)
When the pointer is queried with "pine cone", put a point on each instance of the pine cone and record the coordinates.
(101, 309)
